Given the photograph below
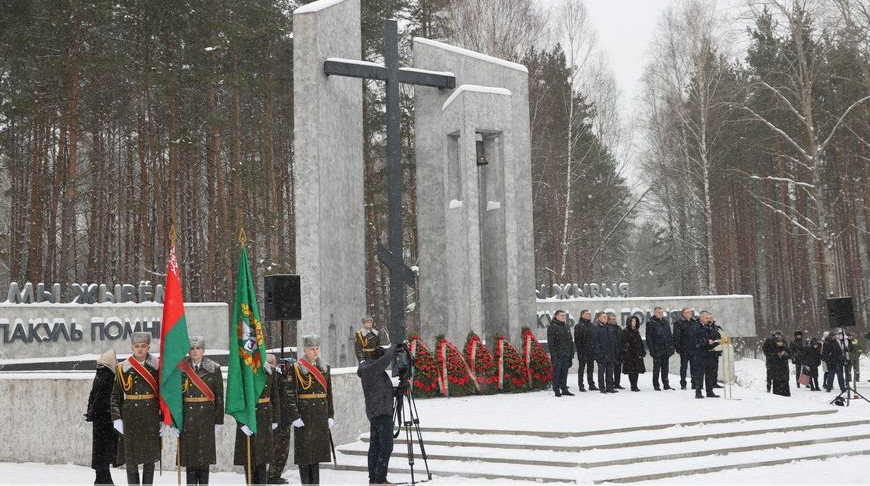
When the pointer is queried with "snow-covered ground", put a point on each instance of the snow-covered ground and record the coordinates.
(541, 411)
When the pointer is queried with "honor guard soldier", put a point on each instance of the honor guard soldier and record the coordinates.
(136, 411)
(368, 339)
(281, 435)
(268, 412)
(309, 393)
(203, 391)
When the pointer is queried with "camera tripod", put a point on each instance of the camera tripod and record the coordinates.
(409, 419)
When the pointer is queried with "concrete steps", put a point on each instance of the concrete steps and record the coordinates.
(614, 455)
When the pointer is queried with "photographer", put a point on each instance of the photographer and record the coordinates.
(378, 391)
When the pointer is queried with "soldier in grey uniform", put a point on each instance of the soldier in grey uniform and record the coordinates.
(136, 411)
(309, 398)
(203, 391)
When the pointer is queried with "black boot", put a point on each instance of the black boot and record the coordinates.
(710, 394)
(148, 473)
(132, 474)
(698, 393)
(592, 387)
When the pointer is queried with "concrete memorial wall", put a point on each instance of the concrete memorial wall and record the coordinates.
(43, 419)
(45, 330)
(735, 313)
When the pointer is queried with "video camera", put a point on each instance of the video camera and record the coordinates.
(404, 362)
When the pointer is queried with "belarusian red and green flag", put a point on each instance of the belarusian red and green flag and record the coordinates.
(174, 345)
(246, 377)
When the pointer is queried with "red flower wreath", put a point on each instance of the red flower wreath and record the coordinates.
(425, 380)
(454, 372)
(511, 367)
(540, 368)
(482, 364)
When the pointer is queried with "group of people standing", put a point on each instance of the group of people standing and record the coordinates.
(838, 351)
(619, 350)
(127, 422)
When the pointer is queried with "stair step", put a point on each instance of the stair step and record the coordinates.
(703, 447)
(466, 469)
(620, 441)
(503, 456)
(586, 433)
(739, 460)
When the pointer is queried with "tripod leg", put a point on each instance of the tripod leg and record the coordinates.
(415, 418)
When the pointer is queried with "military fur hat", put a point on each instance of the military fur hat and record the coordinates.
(197, 342)
(141, 337)
(367, 319)
(311, 341)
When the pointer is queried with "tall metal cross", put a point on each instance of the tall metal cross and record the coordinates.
(392, 75)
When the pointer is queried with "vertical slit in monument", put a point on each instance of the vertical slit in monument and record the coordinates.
(489, 161)
(454, 171)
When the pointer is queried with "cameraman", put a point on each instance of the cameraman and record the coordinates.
(378, 390)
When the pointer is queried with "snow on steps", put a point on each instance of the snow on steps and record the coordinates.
(631, 454)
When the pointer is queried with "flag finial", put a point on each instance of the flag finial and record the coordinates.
(242, 237)
(172, 235)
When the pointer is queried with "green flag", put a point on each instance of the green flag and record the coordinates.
(246, 377)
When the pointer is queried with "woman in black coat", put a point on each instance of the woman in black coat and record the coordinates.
(105, 439)
(812, 359)
(633, 352)
(779, 369)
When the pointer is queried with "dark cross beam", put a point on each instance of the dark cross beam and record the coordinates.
(392, 75)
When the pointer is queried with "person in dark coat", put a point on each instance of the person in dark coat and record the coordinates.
(309, 390)
(583, 340)
(684, 333)
(834, 356)
(136, 411)
(605, 350)
(707, 337)
(660, 342)
(203, 398)
(267, 415)
(769, 350)
(796, 351)
(617, 366)
(104, 449)
(779, 369)
(633, 352)
(812, 359)
(378, 391)
(561, 351)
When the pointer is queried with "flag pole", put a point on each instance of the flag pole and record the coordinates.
(249, 450)
(178, 460)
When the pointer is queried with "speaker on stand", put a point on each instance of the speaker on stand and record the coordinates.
(283, 300)
(841, 315)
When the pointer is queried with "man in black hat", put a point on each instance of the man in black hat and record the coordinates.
(378, 391)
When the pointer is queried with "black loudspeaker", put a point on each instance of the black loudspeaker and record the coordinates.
(283, 297)
(840, 312)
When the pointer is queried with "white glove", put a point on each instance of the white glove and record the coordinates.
(331, 423)
(119, 426)
(164, 430)
(216, 427)
(174, 432)
(274, 426)
(247, 431)
(298, 423)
